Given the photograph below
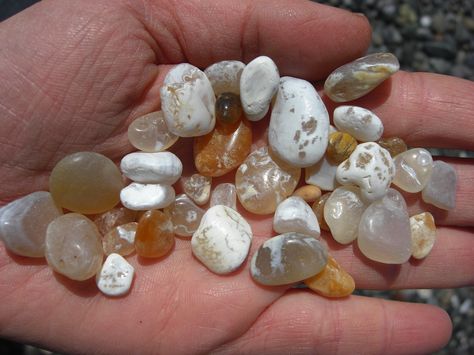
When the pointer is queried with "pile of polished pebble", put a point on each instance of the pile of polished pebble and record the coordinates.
(351, 162)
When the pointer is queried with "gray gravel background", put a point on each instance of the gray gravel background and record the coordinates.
(428, 35)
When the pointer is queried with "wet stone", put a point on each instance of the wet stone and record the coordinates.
(360, 123)
(288, 258)
(149, 133)
(295, 215)
(263, 183)
(225, 76)
(228, 108)
(185, 215)
(423, 234)
(115, 277)
(340, 147)
(117, 216)
(318, 209)
(86, 182)
(154, 237)
(413, 169)
(224, 194)
(332, 281)
(441, 188)
(120, 239)
(322, 174)
(197, 187)
(309, 193)
(357, 78)
(394, 145)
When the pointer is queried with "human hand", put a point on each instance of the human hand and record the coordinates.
(75, 74)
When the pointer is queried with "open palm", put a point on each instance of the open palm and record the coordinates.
(73, 76)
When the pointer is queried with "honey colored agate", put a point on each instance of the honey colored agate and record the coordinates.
(118, 216)
(224, 149)
(340, 146)
(86, 182)
(154, 237)
(197, 187)
(394, 145)
(228, 108)
(318, 209)
(120, 240)
(309, 193)
(333, 281)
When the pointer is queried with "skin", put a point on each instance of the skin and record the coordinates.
(75, 74)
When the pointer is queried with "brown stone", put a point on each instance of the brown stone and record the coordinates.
(309, 193)
(228, 109)
(394, 145)
(340, 146)
(154, 237)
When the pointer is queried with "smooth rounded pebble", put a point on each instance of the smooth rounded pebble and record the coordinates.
(360, 123)
(440, 190)
(115, 277)
(423, 234)
(152, 168)
(295, 215)
(413, 169)
(142, 197)
(225, 76)
(322, 174)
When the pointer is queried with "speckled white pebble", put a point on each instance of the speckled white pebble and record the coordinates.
(152, 168)
(222, 240)
(142, 197)
(116, 276)
(322, 174)
(187, 101)
(299, 124)
(295, 215)
(370, 167)
(360, 123)
(258, 85)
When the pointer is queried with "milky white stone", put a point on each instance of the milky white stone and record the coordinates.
(384, 230)
(187, 101)
(299, 124)
(413, 169)
(23, 223)
(152, 168)
(222, 240)
(360, 123)
(225, 76)
(295, 215)
(258, 84)
(142, 197)
(342, 212)
(224, 194)
(370, 167)
(423, 234)
(115, 277)
(441, 188)
(322, 174)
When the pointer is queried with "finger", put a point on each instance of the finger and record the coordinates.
(304, 323)
(293, 33)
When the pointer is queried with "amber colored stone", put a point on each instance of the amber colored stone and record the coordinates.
(309, 193)
(318, 209)
(423, 234)
(118, 216)
(228, 108)
(394, 145)
(154, 237)
(340, 146)
(333, 281)
(120, 239)
(197, 187)
(86, 182)
(224, 149)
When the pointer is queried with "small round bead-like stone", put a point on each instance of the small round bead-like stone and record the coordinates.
(115, 277)
(117, 216)
(154, 237)
(197, 187)
(228, 108)
(73, 246)
(318, 209)
(423, 234)
(185, 215)
(309, 193)
(120, 240)
(149, 133)
(394, 145)
(86, 182)
(340, 147)
(413, 169)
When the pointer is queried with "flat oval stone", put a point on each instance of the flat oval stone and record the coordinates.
(263, 183)
(333, 281)
(288, 258)
(223, 239)
(184, 215)
(141, 197)
(394, 145)
(340, 146)
(322, 174)
(299, 124)
(222, 150)
(423, 234)
(187, 101)
(152, 168)
(441, 188)
(154, 237)
(23, 223)
(309, 193)
(228, 108)
(384, 230)
(115, 277)
(149, 133)
(115, 217)
(362, 124)
(224, 194)
(258, 85)
(357, 78)
(225, 76)
(197, 187)
(86, 182)
(370, 167)
(342, 213)
(120, 240)
(73, 247)
(413, 169)
(318, 209)
(295, 215)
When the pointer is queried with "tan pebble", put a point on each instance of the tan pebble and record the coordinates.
(309, 193)
(394, 145)
(423, 234)
(340, 146)
(318, 209)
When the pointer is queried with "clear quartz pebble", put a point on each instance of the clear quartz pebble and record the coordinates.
(23, 223)
(224, 194)
(120, 239)
(262, 183)
(384, 230)
(295, 215)
(185, 215)
(357, 78)
(115, 277)
(413, 169)
(342, 213)
(423, 234)
(441, 188)
(73, 247)
(117, 216)
(149, 133)
(225, 76)
(197, 187)
(322, 174)
(288, 258)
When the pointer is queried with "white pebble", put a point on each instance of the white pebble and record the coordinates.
(142, 197)
(359, 122)
(295, 215)
(225, 76)
(115, 277)
(322, 174)
(152, 168)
